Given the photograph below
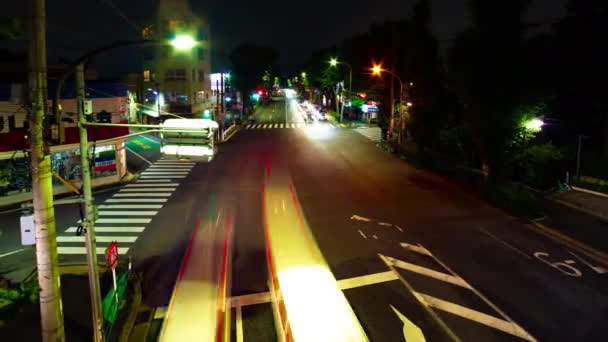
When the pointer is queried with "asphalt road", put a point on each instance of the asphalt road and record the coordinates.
(401, 241)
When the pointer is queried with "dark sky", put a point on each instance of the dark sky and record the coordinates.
(294, 28)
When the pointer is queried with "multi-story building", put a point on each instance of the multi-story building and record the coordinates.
(177, 81)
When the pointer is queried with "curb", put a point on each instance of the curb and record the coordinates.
(581, 247)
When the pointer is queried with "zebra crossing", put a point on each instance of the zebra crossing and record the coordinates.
(288, 125)
(372, 133)
(124, 216)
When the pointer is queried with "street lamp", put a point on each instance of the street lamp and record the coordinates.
(303, 74)
(334, 63)
(377, 70)
(183, 42)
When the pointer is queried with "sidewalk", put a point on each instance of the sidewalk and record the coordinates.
(585, 201)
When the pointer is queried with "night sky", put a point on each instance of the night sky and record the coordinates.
(294, 28)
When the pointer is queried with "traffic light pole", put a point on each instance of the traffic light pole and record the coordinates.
(88, 223)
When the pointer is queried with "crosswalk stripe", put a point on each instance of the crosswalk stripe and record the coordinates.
(111, 229)
(136, 200)
(276, 126)
(153, 181)
(147, 189)
(282, 126)
(149, 185)
(293, 125)
(248, 126)
(173, 164)
(83, 251)
(133, 194)
(162, 176)
(266, 126)
(123, 220)
(169, 168)
(160, 173)
(126, 213)
(99, 238)
(130, 206)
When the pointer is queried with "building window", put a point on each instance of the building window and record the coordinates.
(201, 75)
(11, 123)
(147, 75)
(175, 74)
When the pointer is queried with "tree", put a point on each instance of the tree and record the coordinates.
(249, 65)
(485, 66)
(11, 29)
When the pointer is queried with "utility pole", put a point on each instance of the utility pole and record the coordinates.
(51, 312)
(89, 221)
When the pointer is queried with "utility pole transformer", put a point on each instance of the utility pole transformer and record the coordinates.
(51, 312)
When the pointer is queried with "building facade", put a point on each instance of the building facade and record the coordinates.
(176, 81)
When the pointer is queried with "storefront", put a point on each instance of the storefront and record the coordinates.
(108, 166)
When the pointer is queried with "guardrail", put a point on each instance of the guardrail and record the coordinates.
(229, 132)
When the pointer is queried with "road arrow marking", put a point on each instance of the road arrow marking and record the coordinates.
(360, 218)
(411, 332)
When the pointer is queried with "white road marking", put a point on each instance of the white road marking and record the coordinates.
(411, 332)
(159, 173)
(169, 168)
(506, 244)
(385, 224)
(293, 125)
(83, 250)
(239, 324)
(123, 220)
(153, 180)
(375, 237)
(399, 228)
(102, 238)
(265, 126)
(473, 315)
(11, 253)
(176, 162)
(149, 185)
(137, 194)
(360, 232)
(360, 218)
(597, 269)
(130, 206)
(428, 272)
(162, 177)
(366, 280)
(248, 126)
(276, 126)
(126, 213)
(417, 249)
(136, 200)
(111, 229)
(148, 189)
(168, 163)
(282, 126)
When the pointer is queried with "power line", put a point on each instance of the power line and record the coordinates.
(121, 14)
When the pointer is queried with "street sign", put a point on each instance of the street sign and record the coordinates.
(112, 255)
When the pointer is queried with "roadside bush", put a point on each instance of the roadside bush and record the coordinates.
(591, 183)
(14, 297)
(512, 197)
(540, 166)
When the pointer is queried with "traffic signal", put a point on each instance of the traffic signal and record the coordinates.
(260, 92)
(207, 114)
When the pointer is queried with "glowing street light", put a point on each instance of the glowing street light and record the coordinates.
(534, 125)
(377, 69)
(183, 42)
(303, 74)
(333, 62)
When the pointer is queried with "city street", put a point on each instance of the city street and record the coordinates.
(392, 234)
(404, 244)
